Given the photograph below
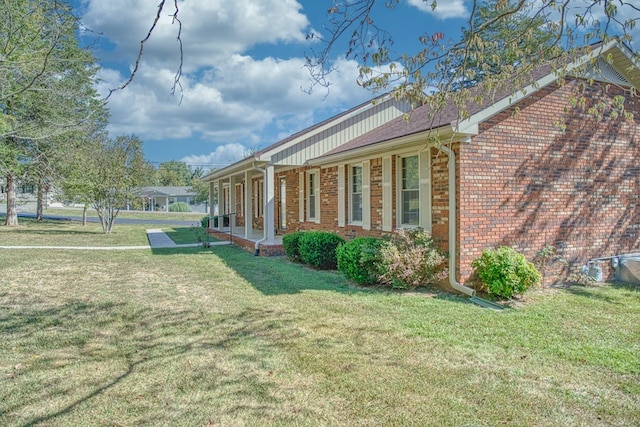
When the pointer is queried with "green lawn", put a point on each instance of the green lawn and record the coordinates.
(220, 337)
(181, 216)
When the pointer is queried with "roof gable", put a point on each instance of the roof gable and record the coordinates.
(322, 137)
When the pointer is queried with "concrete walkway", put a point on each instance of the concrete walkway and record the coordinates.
(158, 239)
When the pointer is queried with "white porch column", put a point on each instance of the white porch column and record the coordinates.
(212, 200)
(248, 205)
(269, 203)
(232, 201)
(220, 204)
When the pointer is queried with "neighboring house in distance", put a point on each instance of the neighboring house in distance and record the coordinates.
(159, 198)
(507, 175)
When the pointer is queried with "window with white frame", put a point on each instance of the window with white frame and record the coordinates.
(225, 199)
(313, 198)
(410, 191)
(355, 194)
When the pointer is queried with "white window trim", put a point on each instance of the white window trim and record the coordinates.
(399, 212)
(351, 193)
(316, 194)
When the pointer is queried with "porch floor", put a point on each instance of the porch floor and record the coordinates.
(237, 237)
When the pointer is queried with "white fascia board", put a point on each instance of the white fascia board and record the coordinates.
(392, 145)
(233, 169)
(266, 156)
(471, 125)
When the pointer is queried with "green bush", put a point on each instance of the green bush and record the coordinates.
(291, 243)
(505, 272)
(179, 207)
(204, 221)
(411, 258)
(358, 259)
(318, 249)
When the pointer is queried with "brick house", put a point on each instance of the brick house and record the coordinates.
(506, 175)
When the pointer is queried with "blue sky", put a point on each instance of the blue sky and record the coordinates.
(243, 70)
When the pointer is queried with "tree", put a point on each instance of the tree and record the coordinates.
(106, 175)
(442, 71)
(46, 85)
(515, 35)
(445, 67)
(174, 173)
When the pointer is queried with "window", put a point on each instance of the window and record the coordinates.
(225, 200)
(313, 196)
(355, 194)
(410, 192)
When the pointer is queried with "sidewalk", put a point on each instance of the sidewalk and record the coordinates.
(158, 239)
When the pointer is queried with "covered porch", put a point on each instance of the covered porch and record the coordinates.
(255, 242)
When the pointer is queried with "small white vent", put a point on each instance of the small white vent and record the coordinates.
(603, 71)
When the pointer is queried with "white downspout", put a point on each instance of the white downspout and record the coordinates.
(451, 165)
(256, 247)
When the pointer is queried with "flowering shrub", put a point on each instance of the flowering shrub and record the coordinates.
(411, 258)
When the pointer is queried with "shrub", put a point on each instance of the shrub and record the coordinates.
(505, 272)
(204, 221)
(291, 243)
(179, 207)
(411, 258)
(318, 249)
(358, 259)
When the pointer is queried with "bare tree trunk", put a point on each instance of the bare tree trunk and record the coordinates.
(40, 201)
(12, 213)
(84, 215)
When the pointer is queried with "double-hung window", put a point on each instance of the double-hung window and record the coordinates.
(313, 200)
(410, 191)
(355, 196)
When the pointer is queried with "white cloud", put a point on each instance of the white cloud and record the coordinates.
(212, 30)
(223, 155)
(445, 8)
(243, 74)
(227, 105)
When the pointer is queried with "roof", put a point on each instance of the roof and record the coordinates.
(173, 191)
(260, 155)
(424, 119)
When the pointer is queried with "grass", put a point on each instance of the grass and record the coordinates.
(220, 337)
(180, 216)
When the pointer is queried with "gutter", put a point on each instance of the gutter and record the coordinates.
(451, 165)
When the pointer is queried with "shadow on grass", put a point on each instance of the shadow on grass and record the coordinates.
(593, 291)
(271, 275)
(150, 344)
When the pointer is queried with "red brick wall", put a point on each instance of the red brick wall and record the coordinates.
(239, 217)
(527, 184)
